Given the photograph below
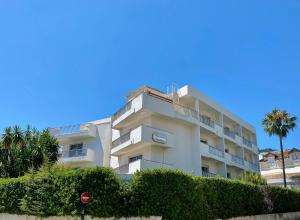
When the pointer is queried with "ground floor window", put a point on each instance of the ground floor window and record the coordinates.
(135, 158)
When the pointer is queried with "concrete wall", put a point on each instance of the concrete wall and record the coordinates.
(279, 216)
(4, 216)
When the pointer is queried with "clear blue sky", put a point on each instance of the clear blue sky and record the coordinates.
(64, 62)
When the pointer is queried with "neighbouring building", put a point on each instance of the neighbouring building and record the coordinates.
(181, 129)
(85, 144)
(271, 167)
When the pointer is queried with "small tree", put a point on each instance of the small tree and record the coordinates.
(279, 123)
(254, 178)
(23, 150)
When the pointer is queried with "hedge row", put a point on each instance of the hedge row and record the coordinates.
(171, 194)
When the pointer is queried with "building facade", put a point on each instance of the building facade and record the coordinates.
(85, 144)
(271, 167)
(181, 129)
(184, 130)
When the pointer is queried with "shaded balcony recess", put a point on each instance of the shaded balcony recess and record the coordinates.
(247, 142)
(237, 159)
(229, 133)
(208, 174)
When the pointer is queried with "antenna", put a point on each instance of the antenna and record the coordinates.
(172, 92)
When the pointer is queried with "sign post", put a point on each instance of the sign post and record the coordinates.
(84, 198)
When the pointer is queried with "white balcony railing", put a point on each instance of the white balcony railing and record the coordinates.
(207, 120)
(122, 110)
(142, 164)
(122, 139)
(247, 142)
(77, 155)
(84, 129)
(216, 151)
(237, 159)
(229, 133)
(185, 111)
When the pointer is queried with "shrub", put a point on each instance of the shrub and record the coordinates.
(229, 198)
(11, 192)
(171, 194)
(57, 192)
(285, 200)
(251, 177)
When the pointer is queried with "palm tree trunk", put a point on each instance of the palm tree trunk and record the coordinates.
(283, 164)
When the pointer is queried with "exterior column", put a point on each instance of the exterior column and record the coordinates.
(196, 151)
(223, 143)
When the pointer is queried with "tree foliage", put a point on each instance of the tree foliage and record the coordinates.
(21, 150)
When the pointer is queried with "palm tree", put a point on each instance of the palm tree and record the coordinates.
(279, 123)
(7, 138)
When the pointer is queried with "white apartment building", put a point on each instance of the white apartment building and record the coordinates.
(271, 167)
(181, 129)
(85, 144)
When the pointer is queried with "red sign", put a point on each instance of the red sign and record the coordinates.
(85, 198)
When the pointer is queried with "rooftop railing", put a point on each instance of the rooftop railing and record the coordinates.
(70, 129)
(122, 110)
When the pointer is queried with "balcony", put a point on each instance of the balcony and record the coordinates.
(251, 166)
(142, 164)
(229, 133)
(208, 174)
(140, 137)
(247, 142)
(207, 121)
(77, 155)
(234, 160)
(212, 152)
(74, 132)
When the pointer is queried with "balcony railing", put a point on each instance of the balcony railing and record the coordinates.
(74, 153)
(122, 139)
(185, 111)
(237, 159)
(247, 142)
(229, 133)
(71, 129)
(207, 120)
(216, 151)
(208, 174)
(122, 110)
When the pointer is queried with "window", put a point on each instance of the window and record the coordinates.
(132, 159)
(296, 156)
(76, 150)
(228, 175)
(205, 169)
(203, 141)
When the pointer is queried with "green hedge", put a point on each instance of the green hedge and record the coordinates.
(171, 194)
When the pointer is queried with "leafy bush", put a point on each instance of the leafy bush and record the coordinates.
(57, 192)
(229, 198)
(172, 194)
(255, 178)
(11, 192)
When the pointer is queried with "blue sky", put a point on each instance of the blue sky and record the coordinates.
(64, 62)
